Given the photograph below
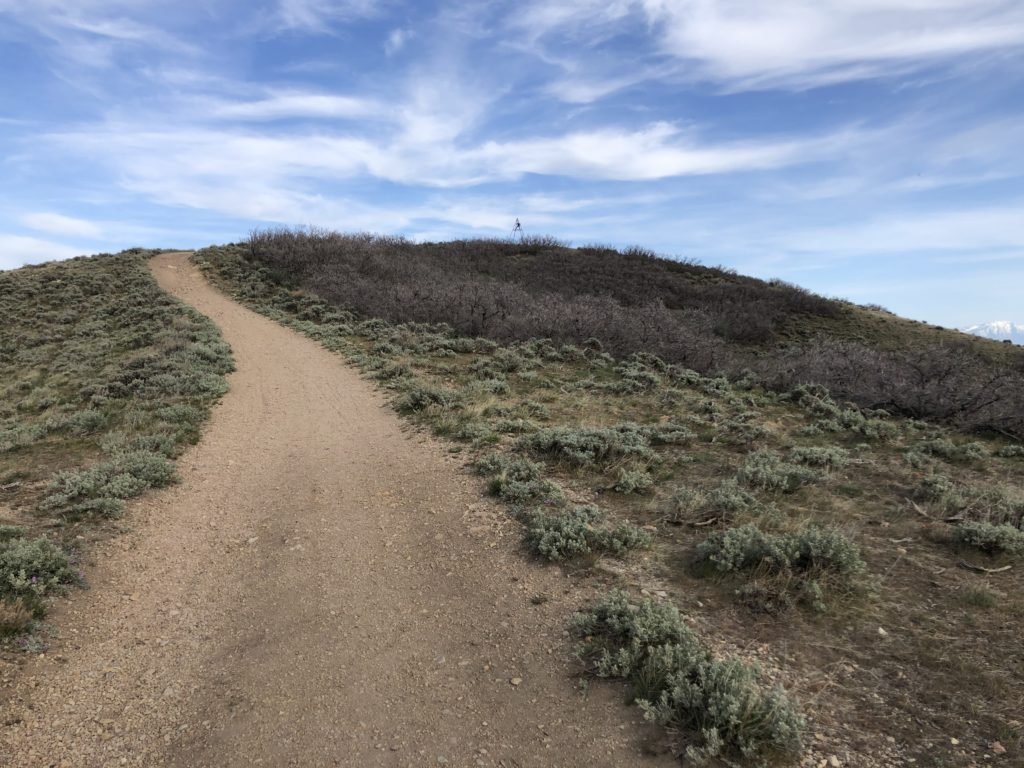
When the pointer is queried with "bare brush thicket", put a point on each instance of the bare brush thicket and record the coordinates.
(954, 383)
(709, 319)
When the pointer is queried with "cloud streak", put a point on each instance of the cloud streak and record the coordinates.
(283, 105)
(255, 175)
(795, 44)
(319, 16)
(58, 224)
(16, 250)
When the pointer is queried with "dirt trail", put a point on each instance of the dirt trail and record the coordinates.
(321, 589)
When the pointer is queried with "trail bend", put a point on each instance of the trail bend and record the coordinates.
(324, 587)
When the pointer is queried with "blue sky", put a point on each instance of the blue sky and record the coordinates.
(868, 149)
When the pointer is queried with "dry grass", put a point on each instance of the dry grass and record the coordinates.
(15, 618)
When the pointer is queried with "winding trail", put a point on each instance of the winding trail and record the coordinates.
(323, 588)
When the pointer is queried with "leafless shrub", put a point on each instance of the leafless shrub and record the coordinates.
(708, 319)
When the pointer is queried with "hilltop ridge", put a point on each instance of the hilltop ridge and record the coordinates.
(710, 319)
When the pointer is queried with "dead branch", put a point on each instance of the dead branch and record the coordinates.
(981, 569)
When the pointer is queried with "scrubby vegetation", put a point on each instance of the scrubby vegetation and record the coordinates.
(518, 481)
(104, 379)
(708, 319)
(806, 551)
(836, 515)
(994, 539)
(31, 570)
(767, 471)
(987, 503)
(577, 531)
(589, 446)
(719, 703)
(799, 564)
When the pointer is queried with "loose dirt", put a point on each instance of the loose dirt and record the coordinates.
(323, 588)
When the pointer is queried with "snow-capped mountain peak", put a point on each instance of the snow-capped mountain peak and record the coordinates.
(1000, 330)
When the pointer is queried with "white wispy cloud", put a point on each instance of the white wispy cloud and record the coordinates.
(800, 43)
(90, 33)
(658, 151)
(16, 250)
(273, 176)
(320, 15)
(792, 43)
(397, 39)
(294, 104)
(586, 88)
(58, 224)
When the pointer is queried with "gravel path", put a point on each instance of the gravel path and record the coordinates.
(323, 588)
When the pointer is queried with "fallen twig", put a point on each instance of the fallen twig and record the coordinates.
(920, 511)
(982, 569)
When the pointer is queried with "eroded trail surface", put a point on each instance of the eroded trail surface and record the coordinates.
(322, 588)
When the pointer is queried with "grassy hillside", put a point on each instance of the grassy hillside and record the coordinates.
(870, 564)
(104, 379)
(710, 320)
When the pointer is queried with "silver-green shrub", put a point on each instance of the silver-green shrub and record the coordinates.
(33, 569)
(681, 685)
(723, 701)
(809, 550)
(589, 446)
(767, 470)
(632, 480)
(994, 539)
(517, 481)
(829, 457)
(576, 531)
(418, 397)
(101, 489)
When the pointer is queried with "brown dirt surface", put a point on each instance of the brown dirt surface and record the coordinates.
(323, 588)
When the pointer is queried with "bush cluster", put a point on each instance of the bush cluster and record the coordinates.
(828, 457)
(31, 570)
(680, 684)
(537, 289)
(633, 480)
(766, 470)
(797, 563)
(589, 446)
(577, 531)
(102, 489)
(993, 539)
(994, 504)
(947, 449)
(419, 396)
(808, 550)
(517, 481)
(963, 383)
(726, 501)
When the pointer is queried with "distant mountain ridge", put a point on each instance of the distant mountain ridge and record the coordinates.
(999, 330)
